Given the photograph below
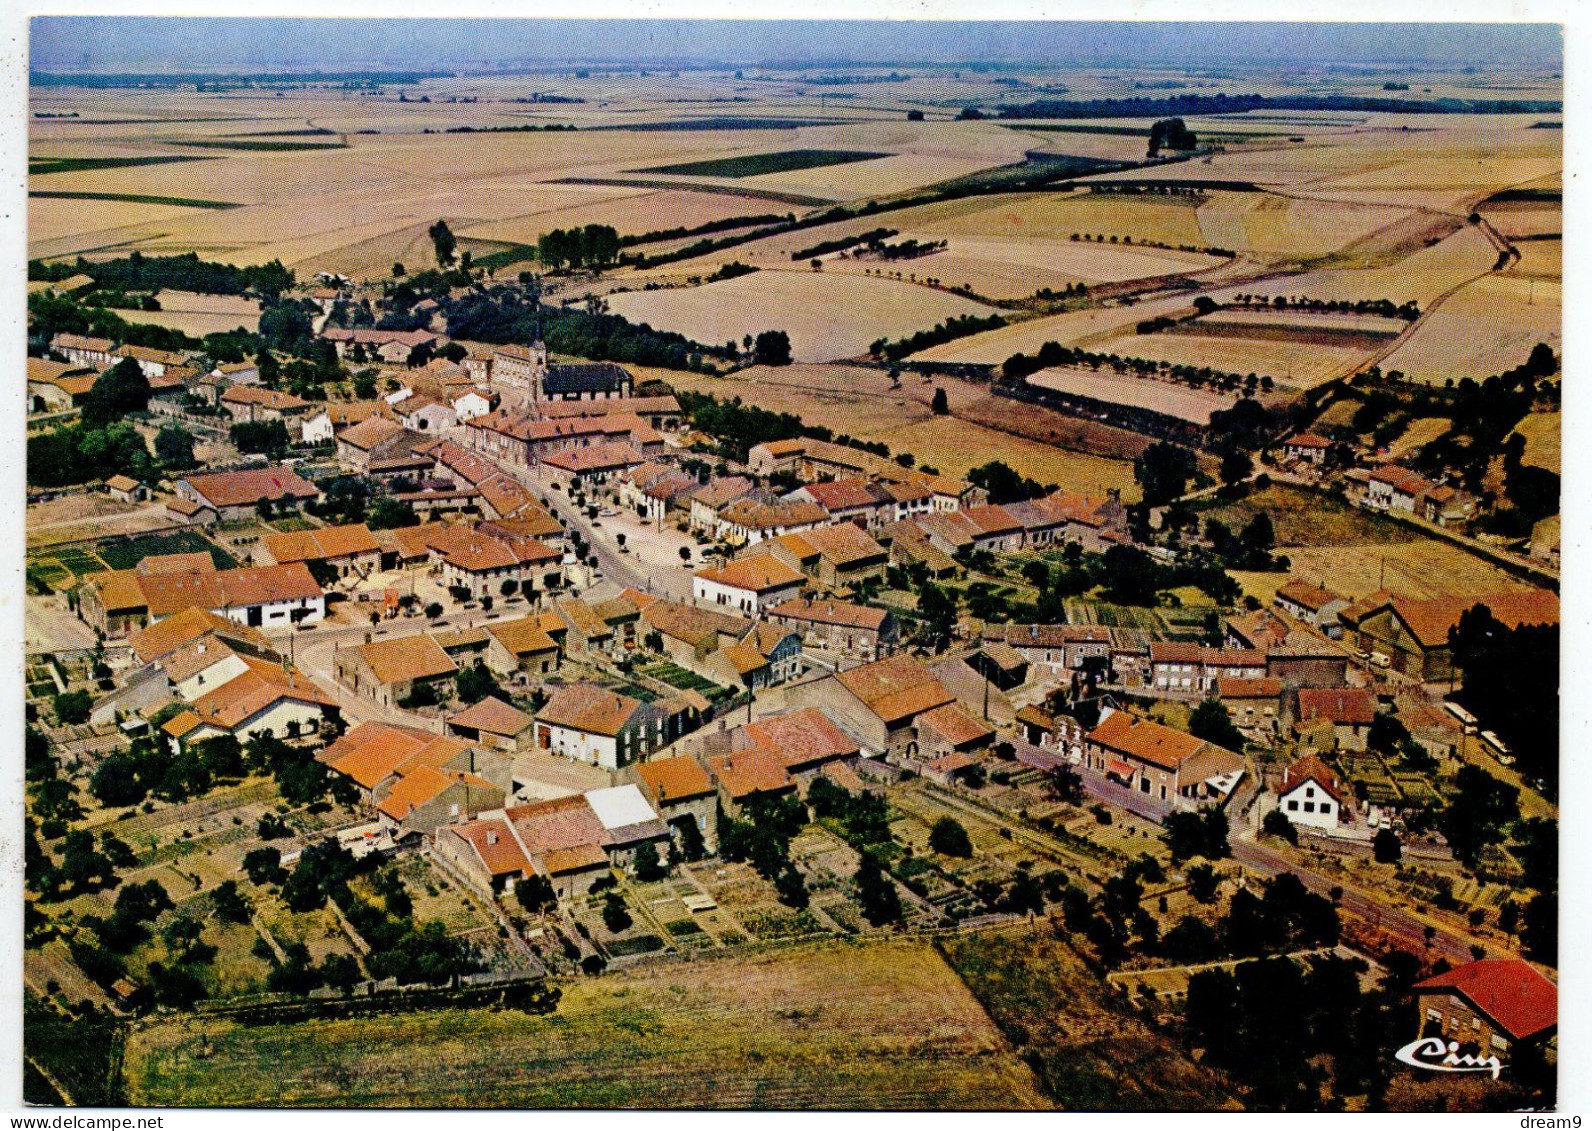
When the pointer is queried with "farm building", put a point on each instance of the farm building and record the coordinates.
(1333, 718)
(1413, 634)
(388, 671)
(681, 790)
(493, 723)
(236, 495)
(1168, 765)
(121, 601)
(1495, 1003)
(855, 631)
(590, 724)
(340, 550)
(571, 840)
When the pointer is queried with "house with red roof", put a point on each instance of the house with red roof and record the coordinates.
(1169, 766)
(1495, 1004)
(1334, 717)
(1311, 794)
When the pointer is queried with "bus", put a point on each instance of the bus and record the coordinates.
(1496, 747)
(1466, 719)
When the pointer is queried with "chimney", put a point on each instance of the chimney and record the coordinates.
(491, 837)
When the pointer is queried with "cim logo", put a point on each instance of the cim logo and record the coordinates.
(1436, 1055)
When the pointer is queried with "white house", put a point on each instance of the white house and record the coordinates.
(591, 724)
(421, 413)
(750, 585)
(468, 406)
(1310, 794)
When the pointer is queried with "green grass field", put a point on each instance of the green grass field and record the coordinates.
(125, 555)
(135, 198)
(758, 164)
(1090, 1054)
(829, 1025)
(262, 146)
(38, 166)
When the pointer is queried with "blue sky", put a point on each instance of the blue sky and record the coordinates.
(140, 43)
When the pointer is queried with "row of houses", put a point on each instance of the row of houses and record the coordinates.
(118, 602)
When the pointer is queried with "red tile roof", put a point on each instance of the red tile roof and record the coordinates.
(245, 488)
(1145, 740)
(493, 716)
(1342, 706)
(1514, 993)
(1311, 768)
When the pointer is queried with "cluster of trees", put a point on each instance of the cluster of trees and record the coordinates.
(138, 272)
(762, 836)
(1171, 133)
(401, 948)
(148, 768)
(443, 242)
(1209, 720)
(1250, 548)
(473, 684)
(1164, 471)
(505, 314)
(86, 864)
(908, 249)
(871, 239)
(961, 326)
(1380, 307)
(660, 235)
(1053, 354)
(771, 347)
(1005, 485)
(1204, 105)
(1484, 414)
(861, 819)
(174, 448)
(595, 245)
(1510, 678)
(1191, 833)
(1276, 1028)
(740, 426)
(120, 390)
(77, 453)
(1114, 918)
(261, 437)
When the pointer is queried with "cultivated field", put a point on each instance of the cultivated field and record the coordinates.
(1297, 363)
(836, 1025)
(1085, 329)
(1193, 405)
(199, 315)
(828, 317)
(859, 402)
(1482, 329)
(1542, 431)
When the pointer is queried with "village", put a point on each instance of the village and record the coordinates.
(591, 685)
(958, 599)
